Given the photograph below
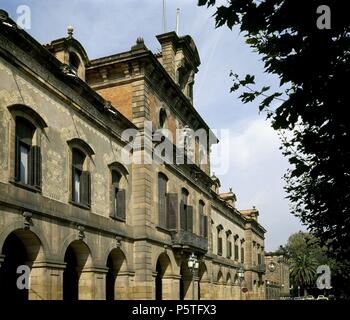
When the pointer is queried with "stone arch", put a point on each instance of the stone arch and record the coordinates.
(163, 281)
(220, 286)
(104, 256)
(186, 281)
(77, 280)
(17, 227)
(117, 278)
(86, 240)
(21, 247)
(170, 255)
(203, 282)
(29, 113)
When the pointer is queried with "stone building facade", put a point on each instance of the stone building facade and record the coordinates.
(89, 223)
(277, 276)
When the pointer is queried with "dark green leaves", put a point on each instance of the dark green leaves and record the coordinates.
(313, 64)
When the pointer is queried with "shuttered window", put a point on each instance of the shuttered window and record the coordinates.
(219, 245)
(172, 210)
(162, 201)
(81, 180)
(203, 220)
(236, 252)
(27, 155)
(229, 249)
(118, 195)
(186, 212)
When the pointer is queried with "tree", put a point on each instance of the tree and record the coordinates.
(313, 65)
(303, 271)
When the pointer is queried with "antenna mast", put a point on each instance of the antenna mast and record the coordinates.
(164, 17)
(177, 20)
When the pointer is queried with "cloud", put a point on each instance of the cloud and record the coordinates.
(255, 172)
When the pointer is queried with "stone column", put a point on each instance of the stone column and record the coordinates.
(167, 287)
(92, 284)
(46, 281)
(123, 288)
(204, 290)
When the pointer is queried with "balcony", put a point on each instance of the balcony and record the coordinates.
(183, 239)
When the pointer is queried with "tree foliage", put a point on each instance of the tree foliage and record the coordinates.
(313, 66)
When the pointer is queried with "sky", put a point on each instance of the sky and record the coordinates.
(105, 27)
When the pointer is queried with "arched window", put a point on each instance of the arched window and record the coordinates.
(186, 212)
(236, 247)
(162, 200)
(118, 196)
(242, 250)
(80, 174)
(27, 155)
(163, 119)
(118, 191)
(74, 62)
(228, 244)
(219, 242)
(80, 179)
(203, 220)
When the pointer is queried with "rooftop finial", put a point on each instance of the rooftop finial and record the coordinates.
(70, 31)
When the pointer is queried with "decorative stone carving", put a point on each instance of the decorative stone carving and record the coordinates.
(27, 219)
(81, 232)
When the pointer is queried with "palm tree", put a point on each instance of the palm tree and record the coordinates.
(303, 270)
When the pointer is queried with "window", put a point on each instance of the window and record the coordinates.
(228, 244)
(236, 248)
(118, 196)
(163, 120)
(162, 200)
(186, 212)
(27, 155)
(203, 220)
(219, 231)
(81, 183)
(259, 259)
(242, 254)
(74, 62)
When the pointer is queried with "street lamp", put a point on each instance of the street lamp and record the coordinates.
(241, 278)
(193, 265)
(267, 289)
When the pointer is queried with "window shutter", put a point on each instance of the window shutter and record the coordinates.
(205, 226)
(236, 252)
(189, 218)
(219, 246)
(17, 160)
(73, 186)
(31, 167)
(113, 200)
(172, 210)
(183, 216)
(162, 204)
(36, 166)
(85, 184)
(121, 204)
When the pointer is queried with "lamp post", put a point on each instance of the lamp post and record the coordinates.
(241, 278)
(267, 289)
(193, 265)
